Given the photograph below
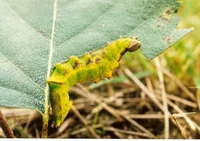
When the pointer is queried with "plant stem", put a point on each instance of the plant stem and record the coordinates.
(45, 126)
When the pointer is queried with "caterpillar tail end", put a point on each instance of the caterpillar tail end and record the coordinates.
(57, 121)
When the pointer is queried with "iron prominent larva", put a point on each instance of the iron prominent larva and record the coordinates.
(91, 66)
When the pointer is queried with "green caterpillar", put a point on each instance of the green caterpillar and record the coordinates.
(91, 66)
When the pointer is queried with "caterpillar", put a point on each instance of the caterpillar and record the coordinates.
(89, 67)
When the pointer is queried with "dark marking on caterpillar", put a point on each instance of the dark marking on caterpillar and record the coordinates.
(89, 67)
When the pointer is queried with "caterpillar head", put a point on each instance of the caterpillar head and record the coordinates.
(135, 44)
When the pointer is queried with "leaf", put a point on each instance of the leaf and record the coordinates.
(36, 34)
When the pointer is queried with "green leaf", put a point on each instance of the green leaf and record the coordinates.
(35, 34)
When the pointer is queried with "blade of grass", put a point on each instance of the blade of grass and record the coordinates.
(164, 97)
